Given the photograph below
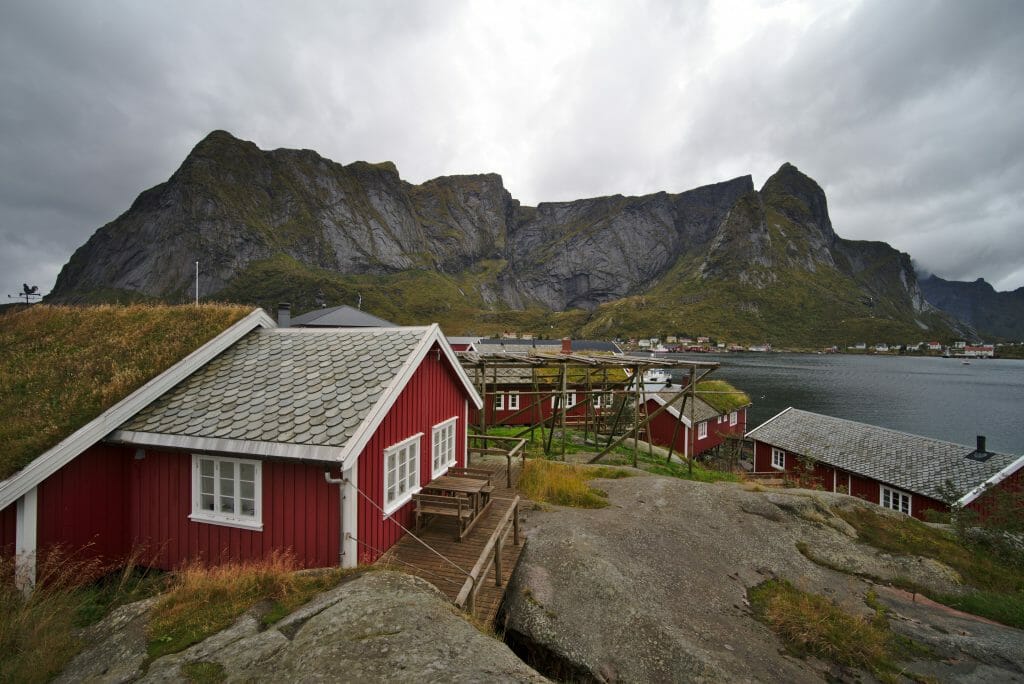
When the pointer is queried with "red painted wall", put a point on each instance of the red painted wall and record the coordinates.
(83, 506)
(985, 503)
(507, 416)
(432, 395)
(663, 426)
(300, 513)
(8, 530)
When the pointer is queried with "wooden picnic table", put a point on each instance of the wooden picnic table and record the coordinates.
(459, 486)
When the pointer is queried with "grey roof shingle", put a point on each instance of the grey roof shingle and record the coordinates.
(701, 409)
(910, 462)
(294, 386)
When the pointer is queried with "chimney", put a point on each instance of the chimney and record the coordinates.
(567, 345)
(981, 444)
(284, 315)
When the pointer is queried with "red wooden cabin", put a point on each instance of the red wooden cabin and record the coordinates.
(714, 426)
(262, 440)
(897, 470)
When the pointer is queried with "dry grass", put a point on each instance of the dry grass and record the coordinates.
(204, 600)
(566, 485)
(810, 624)
(38, 632)
(63, 366)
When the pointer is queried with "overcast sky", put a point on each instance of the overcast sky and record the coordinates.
(909, 113)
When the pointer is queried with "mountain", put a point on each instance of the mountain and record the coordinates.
(290, 225)
(993, 314)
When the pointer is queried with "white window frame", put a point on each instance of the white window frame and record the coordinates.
(442, 446)
(702, 429)
(894, 499)
(570, 399)
(778, 459)
(217, 517)
(513, 401)
(410, 447)
(733, 418)
(499, 402)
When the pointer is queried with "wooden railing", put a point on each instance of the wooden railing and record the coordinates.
(491, 556)
(517, 448)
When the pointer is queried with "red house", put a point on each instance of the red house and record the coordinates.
(264, 439)
(714, 425)
(897, 470)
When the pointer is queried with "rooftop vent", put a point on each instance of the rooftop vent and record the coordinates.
(979, 453)
(284, 315)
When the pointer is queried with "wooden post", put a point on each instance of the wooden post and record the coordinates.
(638, 379)
(693, 427)
(565, 403)
(497, 562)
(515, 523)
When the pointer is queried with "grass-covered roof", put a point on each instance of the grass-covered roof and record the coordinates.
(722, 396)
(63, 366)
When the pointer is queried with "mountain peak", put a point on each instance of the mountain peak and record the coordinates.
(800, 198)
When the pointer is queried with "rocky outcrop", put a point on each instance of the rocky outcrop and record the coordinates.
(381, 627)
(653, 588)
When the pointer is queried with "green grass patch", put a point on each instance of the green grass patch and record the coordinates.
(998, 585)
(63, 366)
(204, 672)
(722, 396)
(810, 624)
(566, 485)
(203, 601)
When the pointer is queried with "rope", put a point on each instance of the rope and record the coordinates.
(409, 532)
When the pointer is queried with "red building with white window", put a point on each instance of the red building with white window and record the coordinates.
(262, 440)
(897, 470)
(673, 425)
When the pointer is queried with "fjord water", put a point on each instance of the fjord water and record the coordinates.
(935, 397)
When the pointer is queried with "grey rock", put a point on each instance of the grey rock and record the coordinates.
(119, 653)
(653, 588)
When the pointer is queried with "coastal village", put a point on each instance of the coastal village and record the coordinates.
(347, 441)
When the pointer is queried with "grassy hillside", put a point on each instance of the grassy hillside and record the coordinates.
(63, 366)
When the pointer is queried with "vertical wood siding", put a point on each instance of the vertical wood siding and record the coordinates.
(82, 506)
(8, 530)
(299, 510)
(432, 395)
(987, 503)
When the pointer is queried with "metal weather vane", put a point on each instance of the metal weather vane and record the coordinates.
(27, 293)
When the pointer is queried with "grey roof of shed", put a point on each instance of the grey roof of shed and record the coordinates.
(290, 392)
(910, 462)
(340, 317)
(497, 345)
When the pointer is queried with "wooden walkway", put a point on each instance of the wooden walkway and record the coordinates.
(410, 556)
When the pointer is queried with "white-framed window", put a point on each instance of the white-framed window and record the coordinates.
(499, 402)
(702, 429)
(894, 499)
(598, 400)
(442, 446)
(570, 400)
(227, 491)
(401, 472)
(778, 459)
(513, 401)
(734, 418)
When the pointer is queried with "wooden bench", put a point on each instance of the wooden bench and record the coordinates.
(457, 507)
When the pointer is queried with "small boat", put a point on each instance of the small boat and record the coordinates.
(966, 362)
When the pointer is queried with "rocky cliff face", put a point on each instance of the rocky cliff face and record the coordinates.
(247, 214)
(991, 313)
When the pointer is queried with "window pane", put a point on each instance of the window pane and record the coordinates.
(247, 490)
(206, 485)
(248, 507)
(206, 502)
(247, 472)
(206, 467)
(227, 504)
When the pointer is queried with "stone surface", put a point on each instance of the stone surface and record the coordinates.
(653, 588)
(378, 626)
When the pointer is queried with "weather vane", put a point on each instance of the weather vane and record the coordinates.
(27, 293)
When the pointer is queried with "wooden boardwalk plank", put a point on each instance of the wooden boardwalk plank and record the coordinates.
(410, 556)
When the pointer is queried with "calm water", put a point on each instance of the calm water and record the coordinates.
(936, 397)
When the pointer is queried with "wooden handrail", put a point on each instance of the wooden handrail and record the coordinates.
(492, 549)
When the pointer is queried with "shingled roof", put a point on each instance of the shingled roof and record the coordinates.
(910, 462)
(339, 317)
(314, 394)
